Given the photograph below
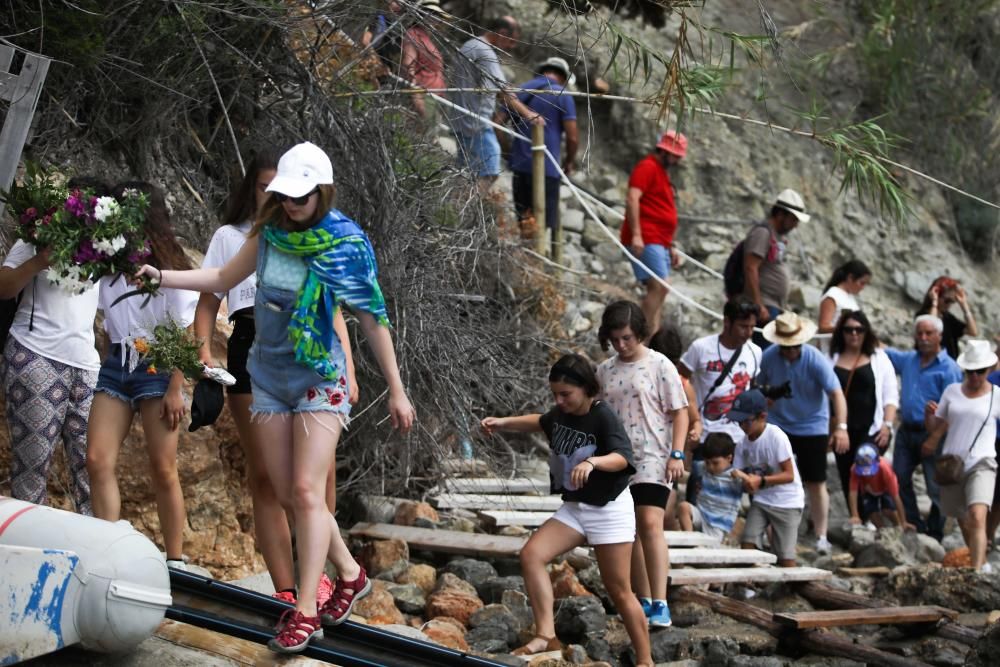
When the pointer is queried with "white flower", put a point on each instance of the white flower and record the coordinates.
(105, 208)
(110, 246)
(69, 279)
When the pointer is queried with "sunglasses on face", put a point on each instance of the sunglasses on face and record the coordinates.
(978, 371)
(298, 201)
(854, 330)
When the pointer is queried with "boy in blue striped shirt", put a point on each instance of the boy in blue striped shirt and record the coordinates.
(718, 500)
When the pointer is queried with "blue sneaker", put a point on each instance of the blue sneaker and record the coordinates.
(647, 606)
(659, 615)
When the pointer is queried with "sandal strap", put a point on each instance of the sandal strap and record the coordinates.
(298, 627)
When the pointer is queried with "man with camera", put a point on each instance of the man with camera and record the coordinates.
(800, 383)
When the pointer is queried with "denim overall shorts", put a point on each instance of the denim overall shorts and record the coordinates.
(280, 383)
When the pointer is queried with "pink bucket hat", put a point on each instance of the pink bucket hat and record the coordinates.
(673, 142)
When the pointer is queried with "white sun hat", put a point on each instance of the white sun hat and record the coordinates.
(791, 201)
(976, 354)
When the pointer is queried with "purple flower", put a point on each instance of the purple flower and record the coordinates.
(87, 253)
(75, 204)
(29, 216)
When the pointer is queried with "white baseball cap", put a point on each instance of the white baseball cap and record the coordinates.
(791, 201)
(301, 169)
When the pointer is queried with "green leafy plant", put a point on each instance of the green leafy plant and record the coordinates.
(171, 348)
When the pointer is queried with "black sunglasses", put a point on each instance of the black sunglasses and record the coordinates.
(298, 201)
(854, 330)
(978, 371)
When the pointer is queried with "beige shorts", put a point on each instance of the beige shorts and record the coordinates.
(785, 523)
(976, 488)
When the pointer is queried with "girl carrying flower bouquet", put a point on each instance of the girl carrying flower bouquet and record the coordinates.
(127, 384)
(50, 363)
(309, 259)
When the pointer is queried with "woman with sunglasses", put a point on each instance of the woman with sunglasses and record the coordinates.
(968, 411)
(870, 387)
(309, 259)
(271, 529)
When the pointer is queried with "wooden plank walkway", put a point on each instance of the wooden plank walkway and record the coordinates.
(877, 616)
(496, 485)
(478, 544)
(476, 501)
(682, 576)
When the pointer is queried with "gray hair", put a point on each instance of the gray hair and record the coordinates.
(933, 319)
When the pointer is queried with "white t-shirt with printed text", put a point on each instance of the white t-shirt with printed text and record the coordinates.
(63, 325)
(225, 243)
(642, 393)
(764, 456)
(705, 358)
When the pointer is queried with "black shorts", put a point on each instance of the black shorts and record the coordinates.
(654, 495)
(810, 456)
(239, 349)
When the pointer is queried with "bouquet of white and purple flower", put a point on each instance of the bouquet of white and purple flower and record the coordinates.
(87, 236)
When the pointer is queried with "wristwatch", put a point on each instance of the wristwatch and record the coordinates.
(842, 426)
(763, 481)
(677, 454)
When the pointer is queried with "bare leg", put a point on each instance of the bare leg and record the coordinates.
(652, 304)
(993, 518)
(670, 513)
(639, 577)
(107, 428)
(161, 447)
(819, 506)
(609, 560)
(974, 529)
(649, 532)
(274, 539)
(552, 539)
(684, 516)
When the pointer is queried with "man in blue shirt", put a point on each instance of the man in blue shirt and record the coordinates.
(804, 414)
(559, 112)
(924, 373)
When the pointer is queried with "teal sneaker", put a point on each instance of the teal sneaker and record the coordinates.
(647, 606)
(659, 615)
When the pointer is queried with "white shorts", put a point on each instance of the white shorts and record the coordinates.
(613, 523)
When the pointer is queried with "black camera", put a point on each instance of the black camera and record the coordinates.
(775, 392)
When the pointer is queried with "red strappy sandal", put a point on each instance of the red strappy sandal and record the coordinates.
(345, 593)
(295, 629)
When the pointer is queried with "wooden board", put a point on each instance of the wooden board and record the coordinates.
(720, 556)
(239, 651)
(874, 571)
(476, 501)
(495, 485)
(446, 541)
(732, 575)
(878, 616)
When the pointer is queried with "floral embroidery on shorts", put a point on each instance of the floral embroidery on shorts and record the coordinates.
(326, 394)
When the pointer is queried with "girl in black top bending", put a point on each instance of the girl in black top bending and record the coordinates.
(590, 465)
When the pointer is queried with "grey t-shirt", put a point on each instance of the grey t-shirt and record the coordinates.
(477, 66)
(764, 243)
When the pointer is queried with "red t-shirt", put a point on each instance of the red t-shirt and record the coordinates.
(884, 482)
(657, 210)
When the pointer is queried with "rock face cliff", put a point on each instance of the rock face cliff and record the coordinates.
(731, 175)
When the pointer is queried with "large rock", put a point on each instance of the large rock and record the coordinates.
(494, 621)
(379, 607)
(564, 581)
(986, 649)
(492, 589)
(423, 576)
(385, 557)
(453, 583)
(591, 578)
(961, 589)
(446, 634)
(577, 618)
(475, 572)
(892, 547)
(409, 598)
(453, 603)
(408, 512)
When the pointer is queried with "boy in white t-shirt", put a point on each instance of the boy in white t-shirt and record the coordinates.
(766, 465)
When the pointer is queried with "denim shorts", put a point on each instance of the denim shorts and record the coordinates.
(656, 257)
(480, 152)
(116, 381)
(323, 397)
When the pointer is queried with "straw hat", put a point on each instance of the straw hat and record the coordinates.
(788, 330)
(791, 201)
(977, 354)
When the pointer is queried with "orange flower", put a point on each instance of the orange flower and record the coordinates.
(152, 370)
(141, 345)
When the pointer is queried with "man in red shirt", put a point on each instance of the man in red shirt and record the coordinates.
(651, 219)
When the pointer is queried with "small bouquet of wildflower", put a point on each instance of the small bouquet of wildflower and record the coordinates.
(171, 347)
(87, 236)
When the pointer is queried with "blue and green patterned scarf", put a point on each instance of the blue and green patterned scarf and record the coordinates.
(341, 268)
